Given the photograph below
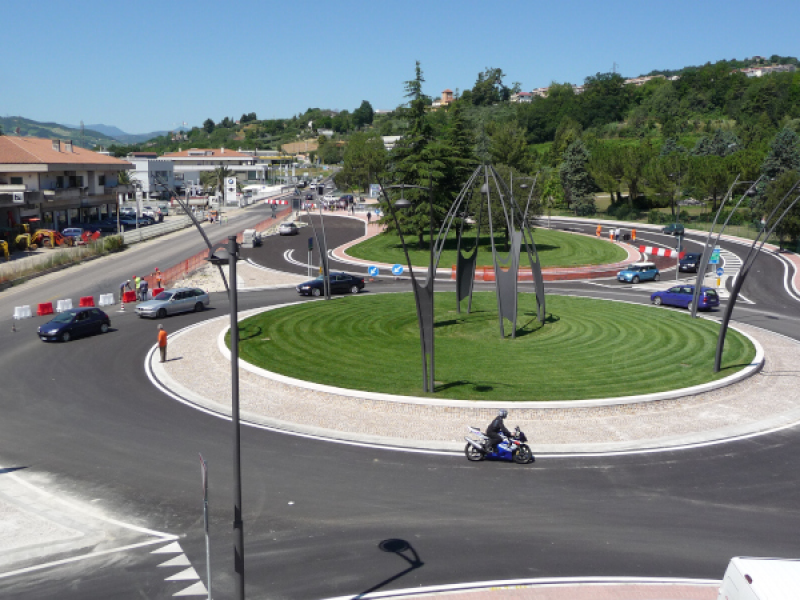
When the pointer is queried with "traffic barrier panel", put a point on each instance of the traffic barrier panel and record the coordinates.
(45, 308)
(157, 291)
(128, 297)
(22, 312)
(86, 301)
(106, 300)
(63, 305)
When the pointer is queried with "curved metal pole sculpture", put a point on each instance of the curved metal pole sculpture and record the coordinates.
(423, 293)
(703, 264)
(747, 263)
(175, 195)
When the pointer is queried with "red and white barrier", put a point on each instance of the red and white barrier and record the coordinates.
(274, 201)
(63, 305)
(22, 312)
(106, 300)
(86, 301)
(45, 308)
(668, 252)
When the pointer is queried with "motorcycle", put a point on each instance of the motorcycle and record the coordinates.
(511, 448)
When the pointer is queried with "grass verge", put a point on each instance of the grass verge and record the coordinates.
(586, 349)
(556, 249)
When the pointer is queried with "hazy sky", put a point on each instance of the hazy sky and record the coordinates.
(151, 65)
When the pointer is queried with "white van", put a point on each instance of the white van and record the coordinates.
(748, 578)
(73, 232)
(250, 238)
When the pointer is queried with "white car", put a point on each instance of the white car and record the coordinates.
(330, 197)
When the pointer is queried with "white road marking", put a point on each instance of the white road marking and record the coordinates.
(196, 589)
(185, 575)
(173, 548)
(179, 561)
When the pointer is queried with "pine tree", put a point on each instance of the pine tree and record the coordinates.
(575, 179)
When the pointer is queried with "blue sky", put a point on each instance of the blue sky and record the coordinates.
(150, 65)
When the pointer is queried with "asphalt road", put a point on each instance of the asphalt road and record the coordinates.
(85, 417)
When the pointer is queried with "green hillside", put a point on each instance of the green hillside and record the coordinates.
(28, 128)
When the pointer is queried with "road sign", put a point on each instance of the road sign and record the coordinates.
(397, 269)
(373, 271)
(720, 272)
(310, 244)
(714, 260)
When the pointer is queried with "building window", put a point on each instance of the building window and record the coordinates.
(75, 181)
(59, 182)
(101, 180)
(16, 181)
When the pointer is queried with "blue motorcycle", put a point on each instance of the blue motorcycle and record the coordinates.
(512, 448)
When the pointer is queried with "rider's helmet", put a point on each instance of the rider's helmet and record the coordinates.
(503, 413)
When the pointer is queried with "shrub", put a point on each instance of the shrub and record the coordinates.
(656, 217)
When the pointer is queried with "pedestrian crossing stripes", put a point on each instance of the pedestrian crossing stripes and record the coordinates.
(187, 572)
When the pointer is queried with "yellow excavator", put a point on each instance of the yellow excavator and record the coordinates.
(4, 249)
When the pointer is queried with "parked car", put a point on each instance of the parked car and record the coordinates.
(288, 229)
(341, 283)
(73, 232)
(673, 229)
(74, 323)
(639, 271)
(170, 302)
(690, 262)
(681, 295)
(164, 208)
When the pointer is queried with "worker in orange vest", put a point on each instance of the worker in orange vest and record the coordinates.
(633, 235)
(599, 230)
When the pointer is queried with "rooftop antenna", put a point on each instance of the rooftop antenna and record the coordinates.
(83, 145)
(614, 67)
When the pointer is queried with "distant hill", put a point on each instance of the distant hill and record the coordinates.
(30, 128)
(93, 135)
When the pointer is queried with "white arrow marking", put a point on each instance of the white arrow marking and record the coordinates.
(196, 589)
(173, 548)
(185, 575)
(179, 561)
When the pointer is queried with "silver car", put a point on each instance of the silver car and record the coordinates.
(170, 302)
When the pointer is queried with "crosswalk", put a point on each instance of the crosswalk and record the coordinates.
(187, 572)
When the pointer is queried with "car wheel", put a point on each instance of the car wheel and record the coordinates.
(65, 337)
(689, 306)
(104, 328)
(657, 301)
(198, 307)
(354, 289)
(161, 313)
(316, 292)
(657, 276)
(635, 279)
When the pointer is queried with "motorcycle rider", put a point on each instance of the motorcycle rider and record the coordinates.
(494, 429)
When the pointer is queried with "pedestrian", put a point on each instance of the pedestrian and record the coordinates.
(143, 290)
(619, 234)
(122, 286)
(162, 342)
(158, 278)
(137, 282)
(369, 218)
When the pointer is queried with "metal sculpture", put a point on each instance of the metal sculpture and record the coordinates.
(506, 269)
(752, 254)
(708, 248)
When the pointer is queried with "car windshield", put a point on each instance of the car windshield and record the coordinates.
(63, 318)
(163, 296)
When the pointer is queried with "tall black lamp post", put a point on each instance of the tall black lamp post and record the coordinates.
(229, 257)
(423, 293)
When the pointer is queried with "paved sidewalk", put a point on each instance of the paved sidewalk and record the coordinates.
(608, 589)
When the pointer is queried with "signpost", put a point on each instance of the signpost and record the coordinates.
(720, 273)
(310, 250)
(373, 271)
(397, 270)
(204, 472)
(714, 260)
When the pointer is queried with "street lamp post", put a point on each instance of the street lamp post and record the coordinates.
(231, 255)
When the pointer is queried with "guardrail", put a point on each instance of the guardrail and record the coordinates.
(132, 236)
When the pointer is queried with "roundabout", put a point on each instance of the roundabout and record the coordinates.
(731, 408)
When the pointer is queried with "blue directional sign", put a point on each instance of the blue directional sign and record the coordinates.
(397, 269)
(720, 272)
(373, 271)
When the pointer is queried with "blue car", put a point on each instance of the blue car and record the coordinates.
(681, 295)
(73, 323)
(640, 271)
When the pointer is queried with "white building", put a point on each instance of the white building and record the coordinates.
(150, 175)
(189, 164)
(53, 184)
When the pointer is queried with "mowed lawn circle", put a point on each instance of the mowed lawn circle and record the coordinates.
(586, 349)
(555, 248)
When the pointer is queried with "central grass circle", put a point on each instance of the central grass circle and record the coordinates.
(555, 248)
(586, 348)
